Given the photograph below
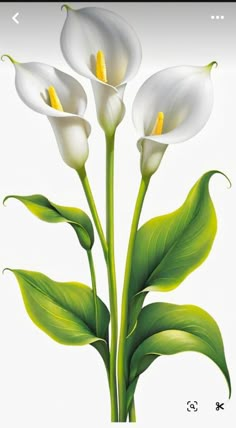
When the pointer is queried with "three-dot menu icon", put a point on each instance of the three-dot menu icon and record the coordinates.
(217, 17)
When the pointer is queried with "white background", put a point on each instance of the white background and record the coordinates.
(46, 384)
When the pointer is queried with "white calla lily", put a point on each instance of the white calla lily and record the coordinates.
(101, 46)
(181, 100)
(39, 86)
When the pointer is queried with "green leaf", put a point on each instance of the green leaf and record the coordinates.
(63, 310)
(167, 329)
(168, 248)
(47, 211)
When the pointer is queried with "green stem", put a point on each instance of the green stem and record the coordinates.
(111, 272)
(94, 288)
(132, 412)
(87, 190)
(108, 250)
(124, 308)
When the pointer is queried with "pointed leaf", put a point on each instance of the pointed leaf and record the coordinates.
(166, 329)
(47, 211)
(63, 310)
(168, 248)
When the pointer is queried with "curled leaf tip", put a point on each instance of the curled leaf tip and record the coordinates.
(4, 270)
(4, 200)
(224, 175)
(209, 66)
(10, 58)
(229, 182)
(66, 6)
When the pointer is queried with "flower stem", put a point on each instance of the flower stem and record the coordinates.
(88, 192)
(111, 272)
(94, 288)
(124, 308)
(132, 412)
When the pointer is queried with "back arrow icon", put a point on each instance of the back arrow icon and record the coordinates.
(15, 18)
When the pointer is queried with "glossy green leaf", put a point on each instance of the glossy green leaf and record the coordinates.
(63, 310)
(47, 211)
(168, 248)
(167, 329)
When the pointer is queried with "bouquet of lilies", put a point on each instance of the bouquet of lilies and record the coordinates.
(172, 106)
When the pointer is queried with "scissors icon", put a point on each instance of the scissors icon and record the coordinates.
(192, 406)
(219, 406)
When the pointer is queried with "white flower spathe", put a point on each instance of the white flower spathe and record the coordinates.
(86, 32)
(32, 82)
(185, 95)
